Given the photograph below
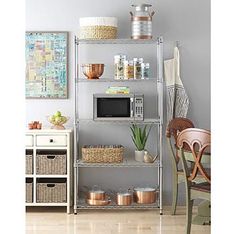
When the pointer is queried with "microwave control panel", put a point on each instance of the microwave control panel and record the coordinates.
(139, 108)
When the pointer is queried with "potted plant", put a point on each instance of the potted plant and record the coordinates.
(139, 137)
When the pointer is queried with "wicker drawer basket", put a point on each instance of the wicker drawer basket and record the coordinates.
(51, 164)
(29, 192)
(51, 192)
(102, 153)
(29, 164)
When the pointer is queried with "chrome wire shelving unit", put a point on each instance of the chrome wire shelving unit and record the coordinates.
(79, 201)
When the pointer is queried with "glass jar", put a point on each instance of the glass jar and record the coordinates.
(145, 70)
(137, 67)
(119, 66)
(128, 69)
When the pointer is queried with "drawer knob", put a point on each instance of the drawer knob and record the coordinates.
(51, 140)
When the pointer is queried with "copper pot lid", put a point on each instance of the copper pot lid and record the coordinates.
(147, 189)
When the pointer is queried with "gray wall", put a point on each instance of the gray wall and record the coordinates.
(186, 21)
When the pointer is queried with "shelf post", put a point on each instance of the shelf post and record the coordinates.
(160, 111)
(76, 134)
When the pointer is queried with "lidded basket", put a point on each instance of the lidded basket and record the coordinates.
(98, 28)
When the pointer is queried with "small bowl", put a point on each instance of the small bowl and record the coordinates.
(93, 70)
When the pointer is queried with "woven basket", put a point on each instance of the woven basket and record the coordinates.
(51, 192)
(102, 153)
(98, 32)
(29, 192)
(51, 164)
(29, 164)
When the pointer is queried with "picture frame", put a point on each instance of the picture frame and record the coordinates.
(46, 55)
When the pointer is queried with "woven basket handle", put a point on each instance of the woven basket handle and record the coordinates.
(50, 156)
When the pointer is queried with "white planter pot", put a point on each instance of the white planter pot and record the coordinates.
(139, 155)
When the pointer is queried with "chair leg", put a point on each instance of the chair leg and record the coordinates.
(174, 194)
(189, 212)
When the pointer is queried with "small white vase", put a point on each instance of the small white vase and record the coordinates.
(139, 155)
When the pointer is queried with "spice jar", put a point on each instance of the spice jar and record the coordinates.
(137, 67)
(145, 70)
(119, 66)
(128, 69)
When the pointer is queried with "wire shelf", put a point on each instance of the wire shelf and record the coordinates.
(83, 205)
(145, 121)
(149, 80)
(127, 162)
(117, 41)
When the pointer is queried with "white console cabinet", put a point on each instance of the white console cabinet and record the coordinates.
(49, 168)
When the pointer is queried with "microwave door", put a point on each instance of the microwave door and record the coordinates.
(113, 108)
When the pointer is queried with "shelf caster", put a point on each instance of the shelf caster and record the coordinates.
(161, 213)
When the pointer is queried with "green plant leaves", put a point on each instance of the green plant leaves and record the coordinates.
(139, 136)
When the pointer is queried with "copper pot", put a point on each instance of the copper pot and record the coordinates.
(124, 199)
(93, 71)
(96, 193)
(146, 195)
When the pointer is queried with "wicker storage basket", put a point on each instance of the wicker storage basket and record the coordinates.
(98, 32)
(29, 192)
(102, 153)
(98, 28)
(29, 164)
(48, 164)
(51, 192)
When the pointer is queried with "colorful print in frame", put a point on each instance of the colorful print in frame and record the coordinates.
(46, 64)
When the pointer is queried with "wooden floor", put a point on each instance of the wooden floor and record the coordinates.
(41, 220)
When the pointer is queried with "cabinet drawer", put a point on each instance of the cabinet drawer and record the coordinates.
(51, 140)
(29, 140)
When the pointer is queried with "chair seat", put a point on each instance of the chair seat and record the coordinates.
(203, 187)
(208, 171)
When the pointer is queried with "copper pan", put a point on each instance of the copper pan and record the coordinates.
(97, 202)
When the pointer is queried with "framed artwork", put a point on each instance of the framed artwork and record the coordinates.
(46, 65)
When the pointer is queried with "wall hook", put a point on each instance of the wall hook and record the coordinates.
(177, 44)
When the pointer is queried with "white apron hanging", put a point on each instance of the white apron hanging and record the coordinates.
(177, 98)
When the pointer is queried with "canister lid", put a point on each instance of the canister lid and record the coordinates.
(139, 7)
(98, 21)
(120, 56)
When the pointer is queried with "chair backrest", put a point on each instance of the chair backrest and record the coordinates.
(198, 141)
(175, 126)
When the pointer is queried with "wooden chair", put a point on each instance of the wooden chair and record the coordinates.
(198, 140)
(175, 126)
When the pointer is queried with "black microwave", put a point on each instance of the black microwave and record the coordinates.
(118, 106)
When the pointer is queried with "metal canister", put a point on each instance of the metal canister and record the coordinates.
(119, 66)
(141, 22)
